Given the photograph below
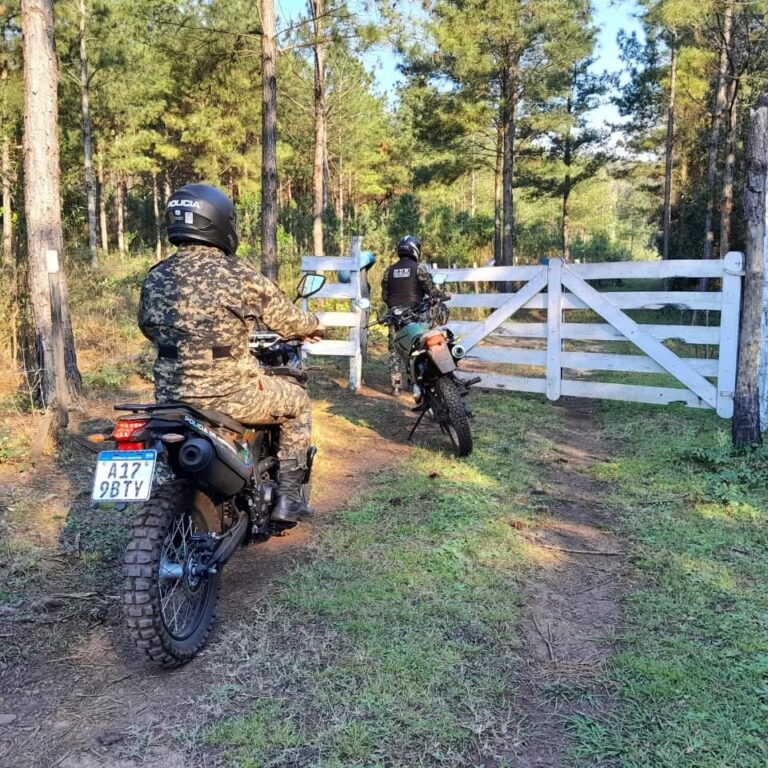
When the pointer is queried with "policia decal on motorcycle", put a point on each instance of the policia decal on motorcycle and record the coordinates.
(230, 428)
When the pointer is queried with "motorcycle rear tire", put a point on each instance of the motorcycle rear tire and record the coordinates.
(455, 419)
(145, 615)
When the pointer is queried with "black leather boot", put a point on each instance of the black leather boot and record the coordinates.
(291, 505)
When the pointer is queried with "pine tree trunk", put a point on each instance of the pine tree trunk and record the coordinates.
(746, 416)
(90, 182)
(167, 190)
(568, 162)
(509, 108)
(57, 361)
(473, 194)
(119, 205)
(5, 171)
(669, 149)
(497, 198)
(103, 229)
(726, 198)
(318, 175)
(7, 212)
(269, 263)
(341, 204)
(567, 218)
(158, 220)
(714, 132)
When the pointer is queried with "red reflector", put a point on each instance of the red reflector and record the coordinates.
(130, 445)
(436, 340)
(125, 429)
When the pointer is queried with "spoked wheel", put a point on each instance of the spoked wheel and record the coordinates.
(170, 605)
(452, 416)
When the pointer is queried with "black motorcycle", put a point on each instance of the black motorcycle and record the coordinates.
(219, 490)
(430, 355)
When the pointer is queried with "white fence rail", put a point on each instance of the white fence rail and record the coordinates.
(352, 319)
(704, 383)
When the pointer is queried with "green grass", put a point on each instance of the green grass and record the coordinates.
(397, 645)
(693, 666)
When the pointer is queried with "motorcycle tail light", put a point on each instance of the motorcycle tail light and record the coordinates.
(435, 341)
(126, 432)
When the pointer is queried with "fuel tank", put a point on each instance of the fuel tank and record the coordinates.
(405, 337)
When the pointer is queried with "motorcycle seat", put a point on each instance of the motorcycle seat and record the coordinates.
(217, 418)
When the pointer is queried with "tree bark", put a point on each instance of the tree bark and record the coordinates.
(508, 114)
(57, 367)
(669, 149)
(318, 175)
(341, 204)
(167, 190)
(568, 162)
(726, 198)
(746, 416)
(158, 220)
(7, 211)
(269, 263)
(6, 174)
(90, 182)
(102, 206)
(714, 132)
(120, 206)
(497, 198)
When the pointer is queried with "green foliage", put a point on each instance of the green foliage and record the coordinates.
(405, 218)
(13, 447)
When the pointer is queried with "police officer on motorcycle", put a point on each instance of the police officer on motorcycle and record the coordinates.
(199, 307)
(405, 283)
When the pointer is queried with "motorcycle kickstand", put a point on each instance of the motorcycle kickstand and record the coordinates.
(418, 421)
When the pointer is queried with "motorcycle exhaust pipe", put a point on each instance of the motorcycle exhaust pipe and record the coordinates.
(458, 351)
(195, 455)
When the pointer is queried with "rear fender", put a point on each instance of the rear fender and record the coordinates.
(442, 358)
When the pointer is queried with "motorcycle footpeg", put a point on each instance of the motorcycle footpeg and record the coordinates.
(469, 382)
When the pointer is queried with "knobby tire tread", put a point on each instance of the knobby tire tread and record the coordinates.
(448, 392)
(141, 599)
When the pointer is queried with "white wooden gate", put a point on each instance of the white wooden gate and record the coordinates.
(705, 382)
(352, 319)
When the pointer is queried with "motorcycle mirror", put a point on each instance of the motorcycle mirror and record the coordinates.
(363, 303)
(439, 279)
(309, 285)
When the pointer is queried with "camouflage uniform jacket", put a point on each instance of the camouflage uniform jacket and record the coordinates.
(424, 278)
(199, 307)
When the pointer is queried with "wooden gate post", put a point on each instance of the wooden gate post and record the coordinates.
(554, 319)
(356, 360)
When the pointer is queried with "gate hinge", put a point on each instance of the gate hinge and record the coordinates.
(736, 272)
(726, 393)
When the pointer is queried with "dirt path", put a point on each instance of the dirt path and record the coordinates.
(571, 599)
(97, 704)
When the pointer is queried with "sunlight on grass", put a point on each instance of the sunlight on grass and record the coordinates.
(694, 661)
(397, 645)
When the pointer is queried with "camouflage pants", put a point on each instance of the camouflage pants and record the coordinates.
(397, 369)
(270, 400)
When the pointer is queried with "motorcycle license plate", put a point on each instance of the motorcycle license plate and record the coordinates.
(124, 475)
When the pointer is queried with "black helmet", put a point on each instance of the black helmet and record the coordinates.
(409, 246)
(198, 213)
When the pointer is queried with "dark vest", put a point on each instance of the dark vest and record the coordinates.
(403, 284)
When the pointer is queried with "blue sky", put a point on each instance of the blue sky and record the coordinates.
(610, 15)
